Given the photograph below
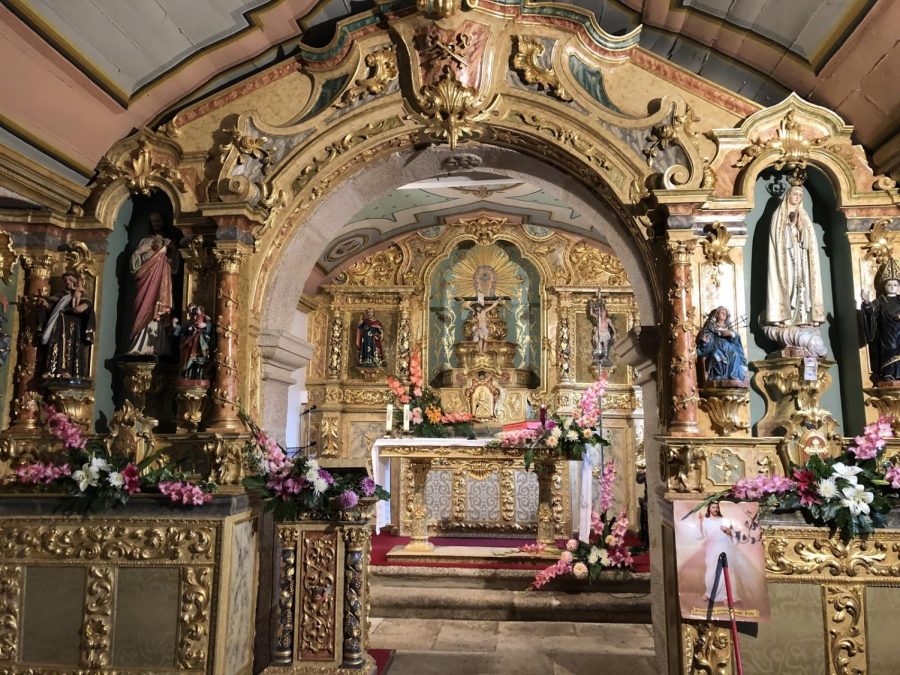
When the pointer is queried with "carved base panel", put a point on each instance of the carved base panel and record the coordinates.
(706, 465)
(321, 618)
(100, 585)
(783, 385)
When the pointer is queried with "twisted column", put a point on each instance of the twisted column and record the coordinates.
(224, 416)
(37, 285)
(283, 655)
(684, 353)
(356, 542)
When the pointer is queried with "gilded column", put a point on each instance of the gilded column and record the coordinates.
(356, 542)
(564, 354)
(335, 345)
(404, 341)
(224, 416)
(684, 354)
(284, 633)
(37, 285)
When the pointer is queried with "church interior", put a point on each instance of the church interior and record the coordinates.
(449, 336)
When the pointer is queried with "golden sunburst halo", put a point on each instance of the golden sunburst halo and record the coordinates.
(484, 270)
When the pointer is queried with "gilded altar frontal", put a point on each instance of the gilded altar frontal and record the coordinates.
(460, 336)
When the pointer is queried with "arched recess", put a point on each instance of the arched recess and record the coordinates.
(282, 322)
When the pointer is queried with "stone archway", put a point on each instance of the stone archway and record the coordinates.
(282, 323)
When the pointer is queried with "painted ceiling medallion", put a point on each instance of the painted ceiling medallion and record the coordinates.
(347, 247)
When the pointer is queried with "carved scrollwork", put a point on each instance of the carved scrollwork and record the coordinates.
(382, 70)
(484, 229)
(453, 112)
(10, 610)
(378, 269)
(318, 571)
(96, 627)
(789, 553)
(140, 169)
(564, 136)
(788, 141)
(8, 257)
(592, 266)
(188, 542)
(846, 629)
(194, 617)
(527, 60)
(879, 242)
(707, 648)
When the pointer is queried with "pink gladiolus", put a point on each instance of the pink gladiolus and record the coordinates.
(760, 486)
(607, 478)
(892, 475)
(64, 429)
(533, 548)
(41, 473)
(544, 576)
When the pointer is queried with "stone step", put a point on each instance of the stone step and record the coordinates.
(504, 598)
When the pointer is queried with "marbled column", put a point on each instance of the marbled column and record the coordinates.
(224, 416)
(37, 285)
(684, 353)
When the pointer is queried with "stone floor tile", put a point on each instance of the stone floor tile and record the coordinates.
(474, 636)
(405, 634)
(443, 663)
(534, 628)
(590, 664)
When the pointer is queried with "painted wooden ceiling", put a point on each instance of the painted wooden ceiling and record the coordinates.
(80, 74)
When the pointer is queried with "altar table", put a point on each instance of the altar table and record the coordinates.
(421, 452)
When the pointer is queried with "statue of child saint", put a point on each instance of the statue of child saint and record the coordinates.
(881, 324)
(719, 344)
(196, 336)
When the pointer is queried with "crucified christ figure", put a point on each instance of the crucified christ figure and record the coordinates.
(480, 312)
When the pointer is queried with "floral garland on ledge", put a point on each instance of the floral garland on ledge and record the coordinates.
(605, 550)
(849, 493)
(427, 417)
(297, 488)
(100, 480)
(560, 437)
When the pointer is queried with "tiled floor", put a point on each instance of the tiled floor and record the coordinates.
(439, 647)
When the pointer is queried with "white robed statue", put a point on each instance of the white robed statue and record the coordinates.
(794, 306)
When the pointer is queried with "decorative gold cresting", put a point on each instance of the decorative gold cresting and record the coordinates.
(879, 242)
(527, 60)
(140, 169)
(382, 70)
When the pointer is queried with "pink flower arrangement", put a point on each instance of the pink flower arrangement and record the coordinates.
(607, 479)
(892, 476)
(591, 405)
(416, 414)
(415, 373)
(367, 487)
(456, 418)
(619, 552)
(398, 390)
(572, 545)
(760, 486)
(873, 439)
(180, 492)
(63, 428)
(348, 499)
(42, 473)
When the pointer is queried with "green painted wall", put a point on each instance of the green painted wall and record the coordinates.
(7, 325)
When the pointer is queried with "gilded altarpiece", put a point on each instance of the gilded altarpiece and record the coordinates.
(420, 289)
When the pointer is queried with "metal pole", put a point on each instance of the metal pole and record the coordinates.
(723, 561)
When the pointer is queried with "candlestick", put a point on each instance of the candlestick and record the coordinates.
(389, 422)
(406, 417)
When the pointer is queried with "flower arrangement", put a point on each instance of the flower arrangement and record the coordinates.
(848, 493)
(427, 416)
(564, 437)
(101, 480)
(297, 487)
(605, 550)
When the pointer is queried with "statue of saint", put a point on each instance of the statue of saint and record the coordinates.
(720, 347)
(369, 334)
(196, 343)
(603, 333)
(881, 323)
(794, 285)
(154, 262)
(68, 332)
(480, 310)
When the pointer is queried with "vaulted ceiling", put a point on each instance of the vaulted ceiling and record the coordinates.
(80, 74)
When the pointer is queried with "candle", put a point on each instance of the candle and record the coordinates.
(406, 417)
(389, 422)
(542, 415)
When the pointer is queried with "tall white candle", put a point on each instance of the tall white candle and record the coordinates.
(406, 417)
(389, 422)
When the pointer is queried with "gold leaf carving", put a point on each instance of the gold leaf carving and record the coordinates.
(592, 266)
(484, 229)
(8, 257)
(453, 112)
(139, 169)
(526, 59)
(318, 570)
(187, 542)
(791, 146)
(382, 70)
(378, 269)
(794, 552)
(194, 618)
(96, 627)
(880, 242)
(707, 648)
(564, 136)
(715, 246)
(846, 629)
(10, 610)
